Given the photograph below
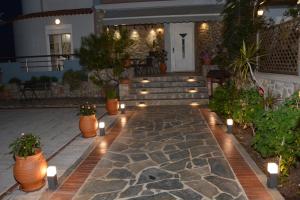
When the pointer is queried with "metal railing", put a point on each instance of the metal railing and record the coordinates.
(40, 62)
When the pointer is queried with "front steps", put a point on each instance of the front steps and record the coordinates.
(165, 90)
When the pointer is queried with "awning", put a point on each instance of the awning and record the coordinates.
(162, 15)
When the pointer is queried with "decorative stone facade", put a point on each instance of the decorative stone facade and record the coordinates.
(208, 36)
(280, 85)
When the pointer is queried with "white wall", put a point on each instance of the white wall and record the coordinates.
(276, 13)
(32, 6)
(30, 35)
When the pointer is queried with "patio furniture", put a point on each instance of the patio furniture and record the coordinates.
(149, 66)
(216, 76)
(33, 87)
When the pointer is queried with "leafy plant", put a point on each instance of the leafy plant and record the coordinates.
(223, 98)
(74, 78)
(244, 65)
(104, 55)
(247, 105)
(26, 145)
(240, 23)
(87, 109)
(277, 134)
(111, 93)
(15, 80)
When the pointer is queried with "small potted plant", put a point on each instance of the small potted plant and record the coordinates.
(162, 57)
(30, 167)
(112, 103)
(88, 123)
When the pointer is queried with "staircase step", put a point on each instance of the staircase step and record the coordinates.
(153, 96)
(166, 102)
(179, 78)
(154, 90)
(163, 84)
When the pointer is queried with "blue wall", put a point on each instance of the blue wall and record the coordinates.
(10, 70)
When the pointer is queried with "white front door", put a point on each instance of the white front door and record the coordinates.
(182, 47)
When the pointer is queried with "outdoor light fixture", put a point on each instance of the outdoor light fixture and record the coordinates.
(145, 80)
(102, 128)
(122, 107)
(160, 30)
(192, 90)
(273, 175)
(260, 12)
(142, 104)
(57, 21)
(144, 92)
(229, 123)
(194, 104)
(52, 178)
(191, 79)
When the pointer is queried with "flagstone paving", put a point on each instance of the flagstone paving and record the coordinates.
(163, 153)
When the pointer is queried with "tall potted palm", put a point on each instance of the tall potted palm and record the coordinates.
(105, 58)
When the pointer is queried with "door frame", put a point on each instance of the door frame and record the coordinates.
(172, 44)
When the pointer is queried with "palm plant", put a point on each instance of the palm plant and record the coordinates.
(104, 56)
(244, 66)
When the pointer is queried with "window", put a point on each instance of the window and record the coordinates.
(60, 44)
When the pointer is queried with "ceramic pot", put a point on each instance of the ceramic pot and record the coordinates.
(112, 106)
(30, 172)
(88, 125)
(163, 68)
(124, 81)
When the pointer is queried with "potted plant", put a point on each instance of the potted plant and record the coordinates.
(30, 167)
(105, 57)
(88, 123)
(112, 103)
(162, 57)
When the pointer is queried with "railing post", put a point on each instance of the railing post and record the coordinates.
(26, 64)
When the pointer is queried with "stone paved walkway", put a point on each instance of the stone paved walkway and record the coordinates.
(163, 153)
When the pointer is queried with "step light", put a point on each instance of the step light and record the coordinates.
(192, 90)
(229, 123)
(144, 92)
(191, 79)
(194, 104)
(142, 104)
(145, 80)
(272, 179)
(102, 128)
(122, 108)
(52, 178)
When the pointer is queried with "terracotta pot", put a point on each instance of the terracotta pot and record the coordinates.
(207, 61)
(124, 81)
(112, 106)
(88, 125)
(127, 63)
(30, 172)
(163, 68)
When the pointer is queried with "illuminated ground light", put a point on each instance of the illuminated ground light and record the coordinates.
(142, 104)
(144, 92)
(192, 90)
(145, 81)
(194, 104)
(191, 79)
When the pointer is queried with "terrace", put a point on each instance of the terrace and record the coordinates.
(174, 102)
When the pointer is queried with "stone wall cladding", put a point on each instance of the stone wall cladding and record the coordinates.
(280, 85)
(207, 38)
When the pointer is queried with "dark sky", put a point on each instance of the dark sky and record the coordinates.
(10, 9)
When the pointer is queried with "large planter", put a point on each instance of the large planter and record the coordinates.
(163, 68)
(88, 126)
(30, 172)
(124, 81)
(112, 106)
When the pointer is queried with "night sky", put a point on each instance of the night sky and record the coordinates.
(10, 10)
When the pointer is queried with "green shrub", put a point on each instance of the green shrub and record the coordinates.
(15, 80)
(26, 145)
(111, 93)
(222, 101)
(247, 106)
(277, 134)
(74, 78)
